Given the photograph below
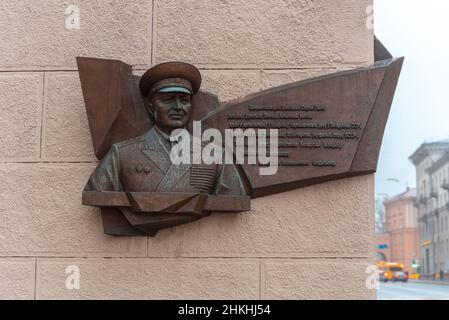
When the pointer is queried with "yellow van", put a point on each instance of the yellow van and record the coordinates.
(392, 271)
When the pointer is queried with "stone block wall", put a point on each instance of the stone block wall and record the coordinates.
(308, 243)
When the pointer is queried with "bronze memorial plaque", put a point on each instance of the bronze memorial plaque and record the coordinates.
(294, 135)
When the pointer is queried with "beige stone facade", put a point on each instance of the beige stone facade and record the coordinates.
(308, 243)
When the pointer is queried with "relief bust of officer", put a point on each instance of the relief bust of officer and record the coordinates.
(141, 167)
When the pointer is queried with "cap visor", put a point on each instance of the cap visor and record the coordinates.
(175, 89)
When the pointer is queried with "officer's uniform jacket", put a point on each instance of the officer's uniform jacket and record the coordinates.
(143, 164)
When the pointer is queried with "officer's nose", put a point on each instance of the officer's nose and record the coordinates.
(178, 104)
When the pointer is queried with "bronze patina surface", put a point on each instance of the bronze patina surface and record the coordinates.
(330, 127)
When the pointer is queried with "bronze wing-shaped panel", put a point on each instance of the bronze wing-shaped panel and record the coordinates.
(114, 107)
(329, 127)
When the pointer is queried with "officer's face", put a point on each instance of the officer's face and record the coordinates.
(171, 109)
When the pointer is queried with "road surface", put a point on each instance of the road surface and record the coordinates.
(413, 291)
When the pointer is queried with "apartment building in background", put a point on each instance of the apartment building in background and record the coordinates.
(402, 228)
(382, 242)
(431, 161)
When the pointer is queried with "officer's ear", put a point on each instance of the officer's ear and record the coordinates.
(149, 107)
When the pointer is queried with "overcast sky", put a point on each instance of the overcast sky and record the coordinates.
(418, 30)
